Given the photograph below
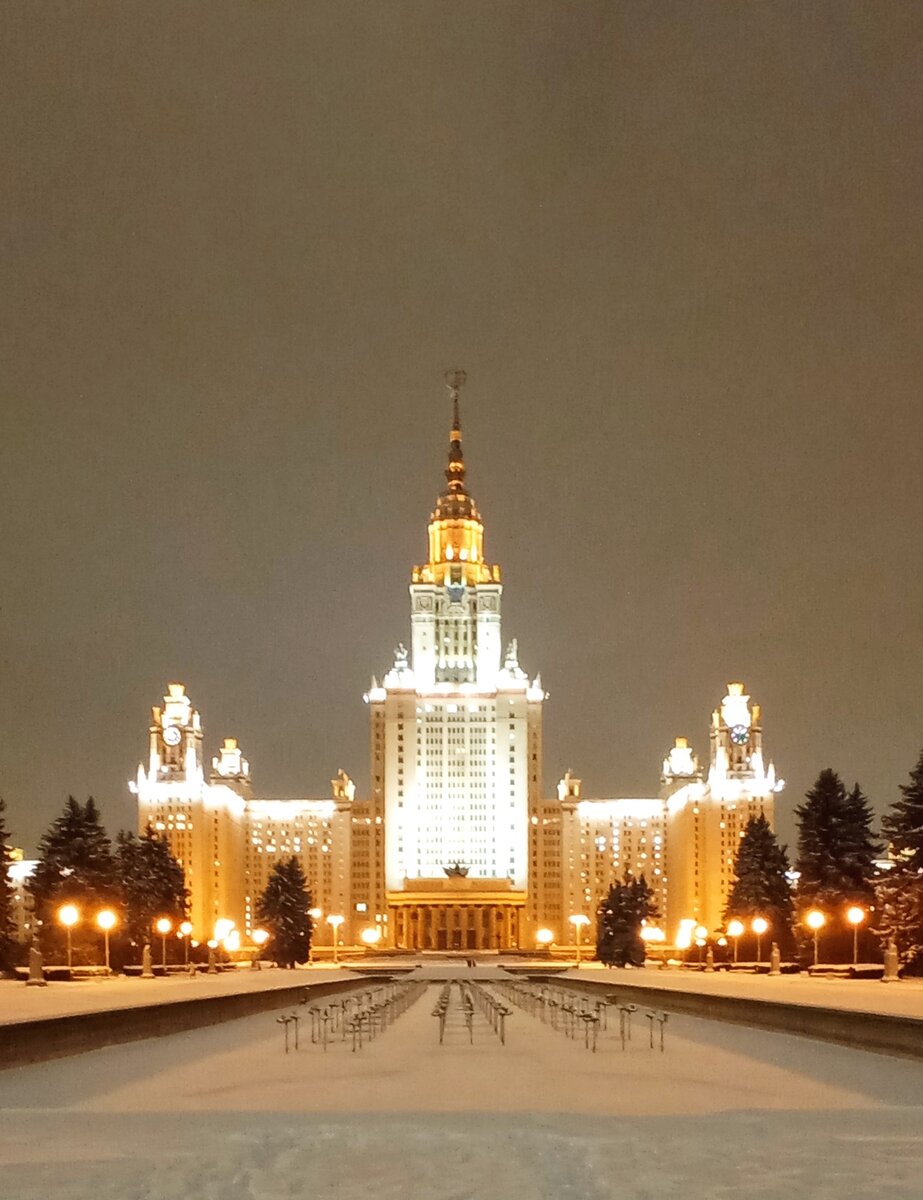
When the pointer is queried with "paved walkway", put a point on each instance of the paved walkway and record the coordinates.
(21, 1003)
(224, 1114)
(902, 999)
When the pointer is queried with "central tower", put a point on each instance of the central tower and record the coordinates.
(456, 742)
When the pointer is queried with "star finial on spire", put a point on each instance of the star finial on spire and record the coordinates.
(455, 473)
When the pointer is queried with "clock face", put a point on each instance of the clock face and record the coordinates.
(172, 735)
(740, 735)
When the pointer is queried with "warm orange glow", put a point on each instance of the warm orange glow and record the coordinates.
(544, 937)
(855, 915)
(735, 928)
(815, 919)
(106, 919)
(163, 926)
(759, 926)
(68, 915)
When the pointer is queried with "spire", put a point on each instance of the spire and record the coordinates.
(455, 471)
(455, 503)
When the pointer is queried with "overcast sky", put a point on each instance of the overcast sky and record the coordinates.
(674, 245)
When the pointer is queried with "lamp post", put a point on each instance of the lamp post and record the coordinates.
(335, 921)
(69, 915)
(260, 938)
(544, 938)
(759, 926)
(579, 921)
(815, 921)
(855, 916)
(735, 929)
(370, 937)
(185, 933)
(106, 920)
(164, 926)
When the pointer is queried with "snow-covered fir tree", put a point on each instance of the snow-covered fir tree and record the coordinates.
(761, 887)
(900, 890)
(151, 883)
(75, 860)
(284, 911)
(75, 866)
(836, 857)
(836, 849)
(629, 903)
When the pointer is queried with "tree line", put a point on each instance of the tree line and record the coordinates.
(141, 881)
(838, 865)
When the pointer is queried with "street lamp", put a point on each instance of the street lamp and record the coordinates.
(579, 921)
(544, 938)
(260, 938)
(701, 938)
(107, 921)
(735, 929)
(69, 915)
(759, 926)
(855, 916)
(335, 921)
(164, 926)
(184, 933)
(371, 936)
(815, 921)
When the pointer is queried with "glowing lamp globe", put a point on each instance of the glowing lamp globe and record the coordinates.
(544, 937)
(815, 919)
(759, 926)
(68, 915)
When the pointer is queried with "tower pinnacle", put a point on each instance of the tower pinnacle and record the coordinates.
(455, 471)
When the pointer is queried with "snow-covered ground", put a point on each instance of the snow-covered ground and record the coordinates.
(223, 1114)
(903, 998)
(21, 1003)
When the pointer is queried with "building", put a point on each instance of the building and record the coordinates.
(225, 839)
(455, 847)
(456, 728)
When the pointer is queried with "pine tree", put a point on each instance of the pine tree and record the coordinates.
(761, 887)
(619, 918)
(283, 909)
(900, 890)
(835, 848)
(151, 883)
(7, 925)
(75, 866)
(836, 853)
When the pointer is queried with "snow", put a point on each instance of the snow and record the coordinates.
(223, 1114)
(98, 993)
(903, 998)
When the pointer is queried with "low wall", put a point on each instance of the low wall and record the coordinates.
(860, 1030)
(24, 1042)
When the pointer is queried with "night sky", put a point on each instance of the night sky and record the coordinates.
(676, 248)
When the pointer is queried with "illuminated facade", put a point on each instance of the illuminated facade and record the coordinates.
(454, 847)
(456, 743)
(225, 839)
